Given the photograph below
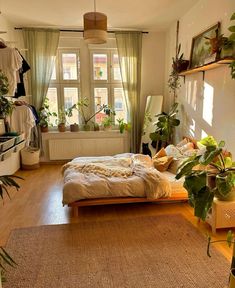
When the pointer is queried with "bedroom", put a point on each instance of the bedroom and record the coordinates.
(38, 202)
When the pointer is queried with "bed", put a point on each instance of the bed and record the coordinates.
(123, 178)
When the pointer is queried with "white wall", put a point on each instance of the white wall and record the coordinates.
(207, 107)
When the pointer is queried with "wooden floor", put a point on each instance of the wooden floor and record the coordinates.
(38, 202)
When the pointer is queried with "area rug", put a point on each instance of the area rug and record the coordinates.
(163, 251)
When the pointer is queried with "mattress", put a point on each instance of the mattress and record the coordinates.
(89, 185)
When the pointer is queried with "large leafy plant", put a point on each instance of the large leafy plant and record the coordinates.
(218, 166)
(165, 125)
(6, 181)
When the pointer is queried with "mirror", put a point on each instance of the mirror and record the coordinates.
(152, 108)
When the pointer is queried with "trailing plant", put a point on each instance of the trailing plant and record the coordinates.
(4, 84)
(178, 64)
(165, 126)
(232, 38)
(5, 259)
(230, 240)
(6, 106)
(216, 179)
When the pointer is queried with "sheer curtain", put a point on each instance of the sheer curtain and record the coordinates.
(41, 47)
(129, 46)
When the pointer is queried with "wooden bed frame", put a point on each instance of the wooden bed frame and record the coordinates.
(177, 197)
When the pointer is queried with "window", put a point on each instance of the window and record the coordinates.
(106, 83)
(64, 87)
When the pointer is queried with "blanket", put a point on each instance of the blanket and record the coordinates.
(84, 176)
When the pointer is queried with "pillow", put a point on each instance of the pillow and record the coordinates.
(173, 151)
(174, 165)
(144, 160)
(186, 147)
(160, 153)
(182, 143)
(162, 164)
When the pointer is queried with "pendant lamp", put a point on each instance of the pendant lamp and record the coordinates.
(95, 27)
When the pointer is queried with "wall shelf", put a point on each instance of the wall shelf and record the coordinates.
(207, 67)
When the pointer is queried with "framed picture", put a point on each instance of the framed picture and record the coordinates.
(204, 48)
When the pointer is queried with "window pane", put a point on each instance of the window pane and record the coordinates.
(116, 68)
(100, 67)
(53, 103)
(70, 66)
(101, 97)
(71, 98)
(53, 76)
(120, 104)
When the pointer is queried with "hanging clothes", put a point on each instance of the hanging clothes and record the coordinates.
(20, 90)
(22, 120)
(10, 63)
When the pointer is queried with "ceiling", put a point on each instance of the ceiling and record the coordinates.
(149, 15)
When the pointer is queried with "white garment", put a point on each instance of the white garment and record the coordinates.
(22, 120)
(10, 63)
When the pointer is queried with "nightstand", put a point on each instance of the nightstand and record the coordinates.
(221, 215)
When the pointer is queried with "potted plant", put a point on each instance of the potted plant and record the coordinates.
(108, 121)
(62, 120)
(216, 178)
(44, 116)
(122, 125)
(164, 127)
(178, 65)
(69, 112)
(6, 106)
(5, 259)
(230, 240)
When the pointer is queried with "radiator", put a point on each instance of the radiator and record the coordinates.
(66, 149)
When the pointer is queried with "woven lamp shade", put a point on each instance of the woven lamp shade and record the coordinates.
(95, 28)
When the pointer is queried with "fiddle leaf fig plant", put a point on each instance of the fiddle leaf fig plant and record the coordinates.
(165, 125)
(217, 178)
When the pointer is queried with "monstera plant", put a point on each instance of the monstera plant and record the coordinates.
(216, 178)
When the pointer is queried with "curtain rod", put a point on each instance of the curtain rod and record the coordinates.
(81, 30)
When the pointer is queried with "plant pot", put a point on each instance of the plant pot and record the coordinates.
(86, 127)
(232, 279)
(96, 128)
(181, 65)
(229, 197)
(107, 128)
(61, 127)
(44, 129)
(74, 127)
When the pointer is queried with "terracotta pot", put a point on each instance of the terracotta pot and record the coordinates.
(44, 129)
(74, 127)
(61, 127)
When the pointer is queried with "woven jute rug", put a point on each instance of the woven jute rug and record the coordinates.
(163, 251)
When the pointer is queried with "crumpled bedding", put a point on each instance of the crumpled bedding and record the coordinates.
(123, 175)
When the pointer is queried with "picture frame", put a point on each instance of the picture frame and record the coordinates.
(204, 49)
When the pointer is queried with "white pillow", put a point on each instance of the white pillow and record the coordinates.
(173, 151)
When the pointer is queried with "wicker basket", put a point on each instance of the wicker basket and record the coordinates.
(30, 158)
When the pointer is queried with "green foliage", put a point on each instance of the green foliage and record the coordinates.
(107, 121)
(165, 125)
(6, 181)
(45, 114)
(232, 38)
(200, 193)
(4, 84)
(122, 125)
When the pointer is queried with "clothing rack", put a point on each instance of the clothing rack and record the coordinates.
(81, 30)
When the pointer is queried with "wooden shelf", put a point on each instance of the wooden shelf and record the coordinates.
(207, 67)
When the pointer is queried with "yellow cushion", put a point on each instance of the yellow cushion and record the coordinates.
(162, 164)
(160, 153)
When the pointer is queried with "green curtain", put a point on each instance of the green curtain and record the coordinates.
(129, 46)
(41, 47)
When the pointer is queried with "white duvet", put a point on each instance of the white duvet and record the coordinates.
(124, 175)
